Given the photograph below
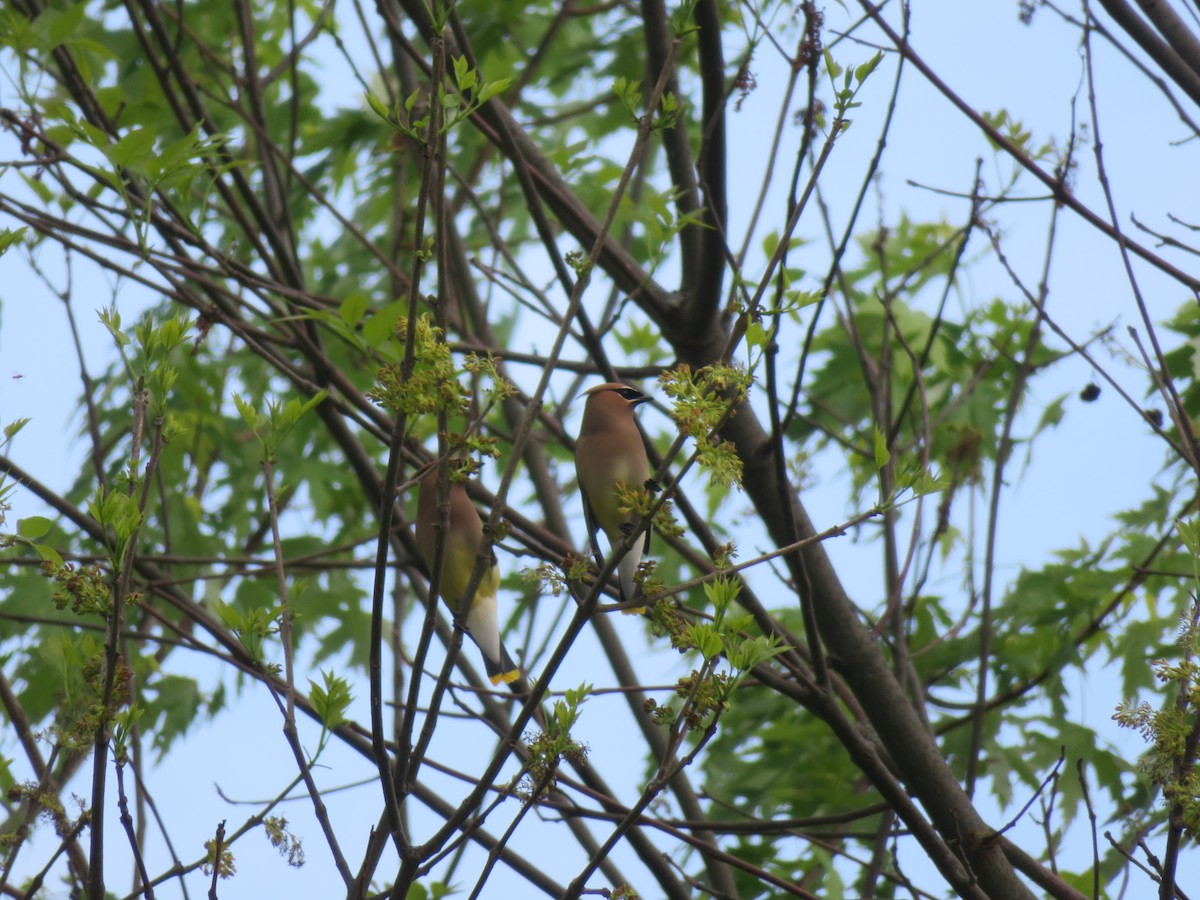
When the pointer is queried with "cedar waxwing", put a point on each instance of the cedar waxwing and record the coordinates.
(464, 533)
(609, 453)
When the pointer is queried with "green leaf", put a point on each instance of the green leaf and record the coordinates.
(34, 527)
(6, 776)
(832, 65)
(383, 324)
(882, 455)
(491, 89)
(745, 654)
(49, 554)
(756, 335)
(116, 510)
(379, 107)
(862, 72)
(798, 300)
(330, 701)
(111, 320)
(172, 711)
(353, 308)
(16, 31)
(10, 237)
(705, 638)
(63, 25)
(1052, 415)
(91, 46)
(132, 150)
(11, 429)
(249, 414)
(461, 68)
(40, 188)
(1189, 533)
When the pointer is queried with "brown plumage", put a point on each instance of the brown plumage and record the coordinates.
(464, 534)
(608, 454)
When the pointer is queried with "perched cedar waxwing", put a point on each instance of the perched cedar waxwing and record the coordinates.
(464, 534)
(609, 453)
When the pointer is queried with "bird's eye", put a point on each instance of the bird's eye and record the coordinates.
(631, 394)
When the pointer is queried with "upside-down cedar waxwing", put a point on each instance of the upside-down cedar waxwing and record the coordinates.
(464, 534)
(609, 454)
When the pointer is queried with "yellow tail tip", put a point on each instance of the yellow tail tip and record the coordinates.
(634, 611)
(505, 677)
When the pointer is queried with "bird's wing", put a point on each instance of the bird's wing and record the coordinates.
(589, 520)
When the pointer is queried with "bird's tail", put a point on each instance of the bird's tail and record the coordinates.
(625, 579)
(484, 628)
(502, 670)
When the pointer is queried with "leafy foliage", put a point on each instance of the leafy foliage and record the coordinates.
(331, 245)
